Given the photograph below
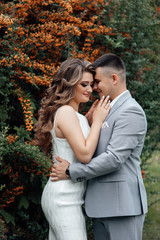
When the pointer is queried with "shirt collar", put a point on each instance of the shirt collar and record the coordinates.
(115, 100)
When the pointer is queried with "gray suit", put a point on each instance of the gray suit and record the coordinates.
(115, 186)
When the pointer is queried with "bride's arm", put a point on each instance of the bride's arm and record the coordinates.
(68, 124)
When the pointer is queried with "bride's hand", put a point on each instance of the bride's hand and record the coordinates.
(90, 112)
(102, 110)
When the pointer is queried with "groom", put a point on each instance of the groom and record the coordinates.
(115, 197)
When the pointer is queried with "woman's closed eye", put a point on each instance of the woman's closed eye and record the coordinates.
(86, 85)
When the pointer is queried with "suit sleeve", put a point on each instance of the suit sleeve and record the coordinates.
(128, 134)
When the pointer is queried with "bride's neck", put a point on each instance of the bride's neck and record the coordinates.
(74, 105)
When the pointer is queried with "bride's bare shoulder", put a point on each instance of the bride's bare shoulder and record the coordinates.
(66, 112)
(66, 109)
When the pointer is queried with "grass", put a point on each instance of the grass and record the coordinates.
(152, 222)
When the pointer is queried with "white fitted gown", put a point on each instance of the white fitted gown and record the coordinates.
(62, 200)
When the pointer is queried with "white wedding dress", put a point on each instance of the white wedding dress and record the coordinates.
(62, 200)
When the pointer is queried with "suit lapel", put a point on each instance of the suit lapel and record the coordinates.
(118, 103)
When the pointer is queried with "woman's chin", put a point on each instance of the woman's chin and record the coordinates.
(85, 100)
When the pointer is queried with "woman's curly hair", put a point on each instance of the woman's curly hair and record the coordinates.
(59, 93)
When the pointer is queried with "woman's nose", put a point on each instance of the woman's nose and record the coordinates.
(90, 89)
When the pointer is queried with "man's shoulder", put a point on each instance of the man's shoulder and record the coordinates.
(132, 103)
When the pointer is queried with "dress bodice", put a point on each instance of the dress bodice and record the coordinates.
(61, 146)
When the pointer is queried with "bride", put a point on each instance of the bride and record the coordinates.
(62, 129)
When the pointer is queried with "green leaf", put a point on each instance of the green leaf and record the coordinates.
(7, 217)
(23, 203)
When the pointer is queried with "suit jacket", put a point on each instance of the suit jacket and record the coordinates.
(115, 184)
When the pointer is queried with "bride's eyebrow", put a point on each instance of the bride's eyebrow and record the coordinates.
(85, 81)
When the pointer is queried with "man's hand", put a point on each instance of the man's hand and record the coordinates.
(90, 112)
(59, 170)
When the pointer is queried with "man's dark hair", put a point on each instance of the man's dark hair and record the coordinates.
(109, 60)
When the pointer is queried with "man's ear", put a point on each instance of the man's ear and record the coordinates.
(115, 78)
